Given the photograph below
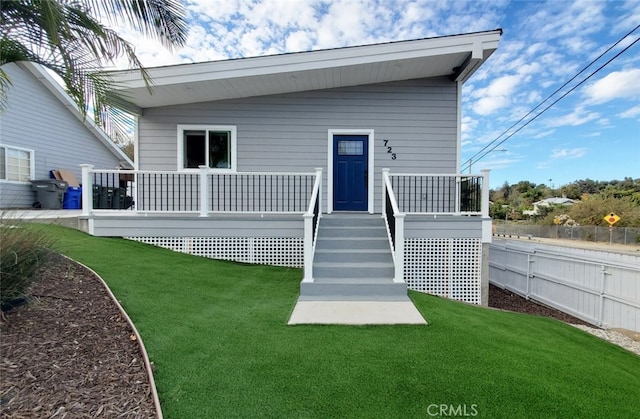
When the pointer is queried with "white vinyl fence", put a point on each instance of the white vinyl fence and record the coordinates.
(599, 287)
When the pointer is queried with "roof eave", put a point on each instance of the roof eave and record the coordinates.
(475, 48)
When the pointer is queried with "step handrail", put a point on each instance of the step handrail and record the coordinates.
(311, 222)
(394, 221)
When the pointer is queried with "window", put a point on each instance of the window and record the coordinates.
(16, 164)
(211, 146)
(350, 148)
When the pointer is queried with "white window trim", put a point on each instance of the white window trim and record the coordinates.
(370, 134)
(234, 149)
(32, 164)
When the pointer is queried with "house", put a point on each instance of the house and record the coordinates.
(546, 203)
(41, 130)
(344, 161)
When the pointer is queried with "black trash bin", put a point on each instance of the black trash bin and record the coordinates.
(49, 193)
(111, 197)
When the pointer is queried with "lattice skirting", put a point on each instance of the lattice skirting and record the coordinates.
(276, 251)
(449, 268)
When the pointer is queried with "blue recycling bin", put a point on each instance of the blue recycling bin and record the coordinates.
(72, 198)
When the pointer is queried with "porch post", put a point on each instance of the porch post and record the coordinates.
(457, 204)
(399, 250)
(308, 247)
(385, 174)
(204, 191)
(484, 207)
(319, 176)
(87, 189)
(485, 192)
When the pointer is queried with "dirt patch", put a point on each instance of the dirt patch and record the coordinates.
(506, 300)
(69, 352)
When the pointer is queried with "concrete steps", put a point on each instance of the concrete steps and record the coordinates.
(352, 261)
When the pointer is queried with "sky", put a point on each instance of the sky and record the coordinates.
(593, 132)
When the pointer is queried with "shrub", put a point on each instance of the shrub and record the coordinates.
(23, 249)
(592, 209)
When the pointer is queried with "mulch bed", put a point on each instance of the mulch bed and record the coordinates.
(70, 353)
(506, 300)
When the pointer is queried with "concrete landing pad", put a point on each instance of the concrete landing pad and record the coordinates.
(355, 313)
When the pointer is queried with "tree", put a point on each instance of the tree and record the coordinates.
(67, 37)
(592, 209)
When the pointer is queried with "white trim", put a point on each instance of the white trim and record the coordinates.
(32, 164)
(370, 189)
(458, 125)
(234, 146)
(136, 142)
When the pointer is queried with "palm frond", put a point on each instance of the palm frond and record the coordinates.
(67, 37)
(5, 83)
(160, 19)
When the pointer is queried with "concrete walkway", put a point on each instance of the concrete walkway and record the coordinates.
(62, 217)
(44, 214)
(356, 313)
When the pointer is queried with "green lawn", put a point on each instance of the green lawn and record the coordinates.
(218, 336)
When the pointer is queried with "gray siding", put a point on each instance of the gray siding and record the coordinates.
(442, 227)
(194, 226)
(35, 119)
(289, 132)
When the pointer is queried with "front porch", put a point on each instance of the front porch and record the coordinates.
(431, 235)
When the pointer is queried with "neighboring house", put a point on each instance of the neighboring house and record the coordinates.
(280, 160)
(547, 202)
(41, 130)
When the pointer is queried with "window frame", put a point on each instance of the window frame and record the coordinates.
(32, 164)
(224, 128)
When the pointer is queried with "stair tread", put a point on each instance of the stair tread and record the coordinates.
(353, 260)
(342, 251)
(350, 281)
(348, 264)
(325, 238)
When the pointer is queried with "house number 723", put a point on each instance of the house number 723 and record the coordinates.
(389, 149)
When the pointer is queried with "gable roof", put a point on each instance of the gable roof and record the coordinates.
(456, 56)
(56, 89)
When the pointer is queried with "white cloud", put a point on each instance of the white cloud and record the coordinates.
(615, 85)
(577, 44)
(299, 41)
(571, 153)
(488, 105)
(578, 117)
(467, 127)
(631, 112)
(543, 134)
(497, 95)
(559, 21)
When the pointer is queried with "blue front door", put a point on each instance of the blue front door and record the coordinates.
(350, 174)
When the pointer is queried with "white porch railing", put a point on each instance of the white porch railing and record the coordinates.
(202, 192)
(430, 194)
(439, 194)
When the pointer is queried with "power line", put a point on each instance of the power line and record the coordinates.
(475, 160)
(475, 157)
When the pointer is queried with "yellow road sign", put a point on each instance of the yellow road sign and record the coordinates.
(611, 218)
